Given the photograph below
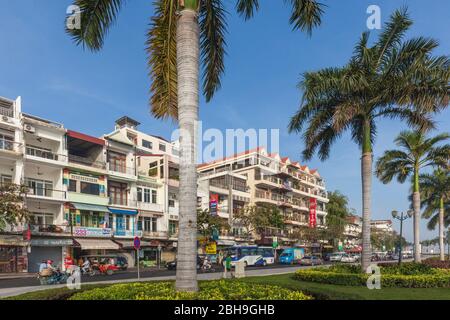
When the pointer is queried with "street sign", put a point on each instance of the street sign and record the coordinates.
(137, 243)
(211, 248)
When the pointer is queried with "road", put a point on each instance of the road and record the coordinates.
(12, 287)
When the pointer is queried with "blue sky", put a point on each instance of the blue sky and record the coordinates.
(87, 92)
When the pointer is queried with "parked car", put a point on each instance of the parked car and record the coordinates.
(348, 258)
(172, 265)
(310, 261)
(337, 256)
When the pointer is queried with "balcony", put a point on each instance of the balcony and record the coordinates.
(127, 233)
(42, 154)
(87, 162)
(46, 193)
(10, 146)
(6, 109)
(49, 229)
(147, 206)
(121, 171)
(155, 234)
(122, 202)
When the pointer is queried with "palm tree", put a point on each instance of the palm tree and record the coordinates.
(436, 200)
(181, 33)
(384, 80)
(418, 152)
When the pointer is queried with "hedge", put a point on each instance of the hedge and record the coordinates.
(210, 290)
(436, 279)
(436, 263)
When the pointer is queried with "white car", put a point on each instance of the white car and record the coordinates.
(336, 257)
(348, 258)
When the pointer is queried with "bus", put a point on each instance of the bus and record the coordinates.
(251, 255)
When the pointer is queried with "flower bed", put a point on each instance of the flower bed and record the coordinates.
(436, 263)
(405, 276)
(210, 290)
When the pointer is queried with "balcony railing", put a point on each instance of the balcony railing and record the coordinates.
(8, 112)
(87, 161)
(154, 234)
(121, 169)
(122, 202)
(45, 154)
(148, 206)
(49, 228)
(9, 145)
(46, 192)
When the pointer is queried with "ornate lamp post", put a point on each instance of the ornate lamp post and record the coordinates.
(402, 217)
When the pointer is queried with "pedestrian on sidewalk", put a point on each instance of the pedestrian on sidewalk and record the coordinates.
(228, 267)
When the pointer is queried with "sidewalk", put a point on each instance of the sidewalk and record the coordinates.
(21, 275)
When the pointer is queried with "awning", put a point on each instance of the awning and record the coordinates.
(97, 244)
(13, 241)
(226, 242)
(89, 207)
(130, 244)
(146, 213)
(122, 211)
(51, 242)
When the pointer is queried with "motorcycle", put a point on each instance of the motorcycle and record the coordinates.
(49, 277)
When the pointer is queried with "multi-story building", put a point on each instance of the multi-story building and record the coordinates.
(353, 232)
(263, 178)
(382, 225)
(86, 195)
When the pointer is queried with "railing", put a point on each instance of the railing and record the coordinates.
(46, 192)
(87, 161)
(8, 112)
(49, 228)
(149, 206)
(121, 169)
(122, 202)
(46, 154)
(9, 145)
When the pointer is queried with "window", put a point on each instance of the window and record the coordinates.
(40, 187)
(139, 194)
(147, 144)
(162, 147)
(154, 196)
(147, 195)
(72, 186)
(172, 227)
(89, 188)
(41, 219)
(148, 224)
(5, 180)
(172, 203)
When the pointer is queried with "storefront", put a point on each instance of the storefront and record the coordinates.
(125, 222)
(42, 249)
(128, 251)
(13, 254)
(84, 247)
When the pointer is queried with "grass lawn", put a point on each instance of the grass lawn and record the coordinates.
(318, 290)
(337, 292)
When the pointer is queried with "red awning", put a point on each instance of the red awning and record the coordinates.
(85, 137)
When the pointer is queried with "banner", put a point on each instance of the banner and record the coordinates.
(312, 212)
(211, 248)
(213, 203)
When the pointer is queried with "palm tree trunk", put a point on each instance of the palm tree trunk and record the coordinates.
(366, 176)
(416, 207)
(188, 99)
(441, 230)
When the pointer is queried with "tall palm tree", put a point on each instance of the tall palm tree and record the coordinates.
(181, 33)
(436, 200)
(384, 80)
(417, 152)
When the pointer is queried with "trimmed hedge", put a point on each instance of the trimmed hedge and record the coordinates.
(209, 290)
(436, 263)
(435, 279)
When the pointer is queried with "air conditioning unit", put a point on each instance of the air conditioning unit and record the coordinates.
(29, 128)
(5, 118)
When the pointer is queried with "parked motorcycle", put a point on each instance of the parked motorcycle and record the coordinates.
(49, 277)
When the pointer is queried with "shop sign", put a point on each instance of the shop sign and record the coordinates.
(92, 232)
(213, 204)
(312, 212)
(211, 248)
(51, 242)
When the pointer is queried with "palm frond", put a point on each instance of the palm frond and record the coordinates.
(306, 14)
(247, 8)
(97, 16)
(162, 60)
(212, 44)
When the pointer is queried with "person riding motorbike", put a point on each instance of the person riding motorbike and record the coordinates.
(86, 267)
(207, 265)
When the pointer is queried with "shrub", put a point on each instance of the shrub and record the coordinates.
(407, 268)
(436, 263)
(210, 290)
(436, 279)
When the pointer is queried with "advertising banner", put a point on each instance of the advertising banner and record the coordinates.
(213, 204)
(312, 212)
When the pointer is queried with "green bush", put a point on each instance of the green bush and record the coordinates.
(435, 279)
(209, 290)
(408, 268)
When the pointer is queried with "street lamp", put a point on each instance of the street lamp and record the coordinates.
(402, 217)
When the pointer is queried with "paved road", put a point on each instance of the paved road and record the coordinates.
(12, 287)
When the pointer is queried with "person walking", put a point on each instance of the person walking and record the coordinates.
(228, 265)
